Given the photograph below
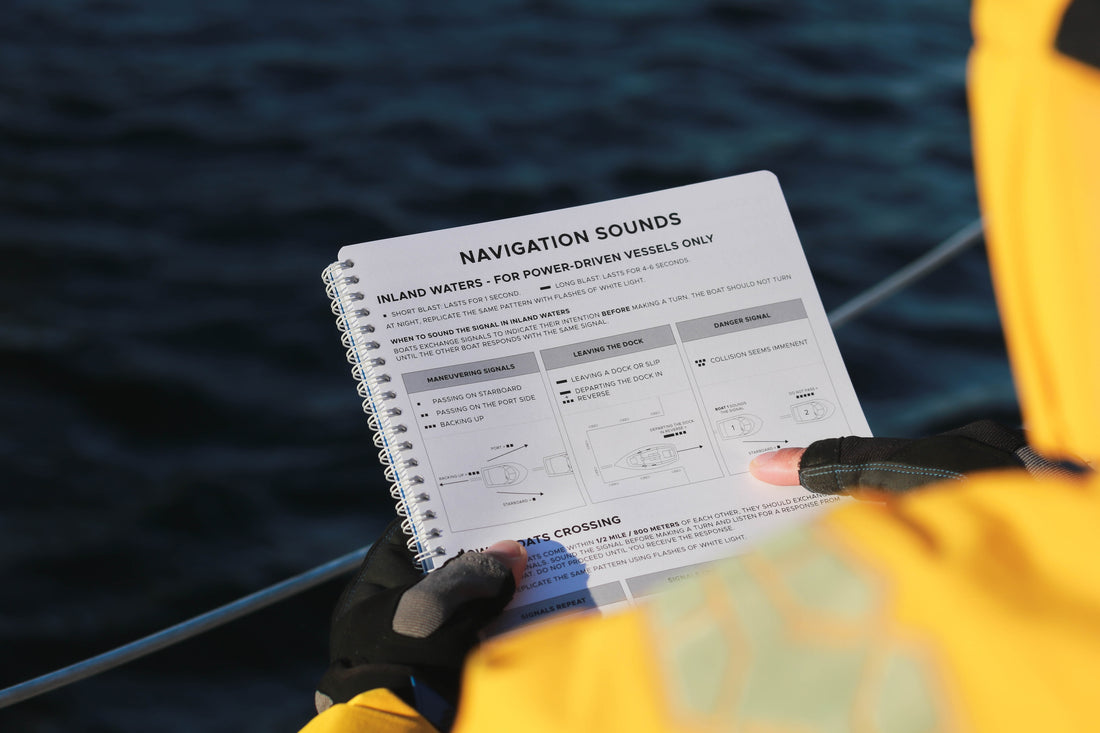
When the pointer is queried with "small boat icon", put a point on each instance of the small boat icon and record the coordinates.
(557, 464)
(739, 426)
(650, 456)
(812, 410)
(504, 474)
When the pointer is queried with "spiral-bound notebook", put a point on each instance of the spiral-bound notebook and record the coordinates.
(593, 382)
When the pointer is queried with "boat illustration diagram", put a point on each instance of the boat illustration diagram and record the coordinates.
(503, 474)
(490, 477)
(650, 456)
(812, 410)
(739, 426)
(557, 464)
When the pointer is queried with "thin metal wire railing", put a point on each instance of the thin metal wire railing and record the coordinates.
(935, 258)
(183, 631)
(927, 263)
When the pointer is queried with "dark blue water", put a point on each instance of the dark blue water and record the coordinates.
(180, 427)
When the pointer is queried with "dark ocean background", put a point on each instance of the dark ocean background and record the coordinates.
(179, 425)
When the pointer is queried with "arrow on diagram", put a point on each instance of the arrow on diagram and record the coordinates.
(511, 451)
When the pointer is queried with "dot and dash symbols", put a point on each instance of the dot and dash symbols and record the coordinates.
(700, 362)
(513, 450)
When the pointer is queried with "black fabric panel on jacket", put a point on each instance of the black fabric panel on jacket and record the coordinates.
(1079, 34)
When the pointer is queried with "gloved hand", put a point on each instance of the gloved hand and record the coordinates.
(869, 467)
(399, 629)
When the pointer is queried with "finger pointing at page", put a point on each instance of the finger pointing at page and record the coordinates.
(779, 467)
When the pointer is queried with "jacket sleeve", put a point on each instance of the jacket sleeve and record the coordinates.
(956, 608)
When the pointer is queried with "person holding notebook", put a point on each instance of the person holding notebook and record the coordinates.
(971, 604)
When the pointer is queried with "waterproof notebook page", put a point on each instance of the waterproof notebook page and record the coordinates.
(594, 381)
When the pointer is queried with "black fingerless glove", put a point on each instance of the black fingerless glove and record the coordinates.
(892, 465)
(399, 629)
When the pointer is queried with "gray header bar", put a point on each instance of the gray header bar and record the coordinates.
(742, 320)
(607, 347)
(646, 585)
(580, 600)
(470, 373)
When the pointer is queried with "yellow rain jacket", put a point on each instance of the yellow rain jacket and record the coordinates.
(972, 607)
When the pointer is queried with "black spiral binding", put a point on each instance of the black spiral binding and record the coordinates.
(406, 487)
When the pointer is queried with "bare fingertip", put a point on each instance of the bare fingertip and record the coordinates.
(506, 550)
(779, 467)
(513, 554)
